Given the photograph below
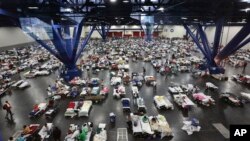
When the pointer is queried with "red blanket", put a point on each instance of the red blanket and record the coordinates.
(71, 105)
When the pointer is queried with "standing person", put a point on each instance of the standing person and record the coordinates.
(102, 84)
(144, 71)
(154, 86)
(8, 107)
(173, 56)
(244, 66)
(56, 134)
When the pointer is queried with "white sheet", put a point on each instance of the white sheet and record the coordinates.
(211, 85)
(84, 110)
(23, 85)
(44, 133)
(115, 80)
(245, 95)
(162, 101)
(182, 100)
(190, 128)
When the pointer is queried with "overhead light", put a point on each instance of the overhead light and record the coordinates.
(122, 18)
(101, 6)
(112, 0)
(161, 9)
(246, 10)
(33, 7)
(195, 19)
(248, 1)
(68, 10)
(184, 18)
(126, 1)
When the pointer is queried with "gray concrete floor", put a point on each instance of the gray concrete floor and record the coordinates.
(23, 101)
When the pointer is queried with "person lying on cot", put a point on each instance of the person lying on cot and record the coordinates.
(26, 130)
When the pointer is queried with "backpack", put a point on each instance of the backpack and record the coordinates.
(4, 106)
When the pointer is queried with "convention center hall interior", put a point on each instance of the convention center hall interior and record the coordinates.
(124, 70)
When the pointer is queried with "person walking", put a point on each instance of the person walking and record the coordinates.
(56, 134)
(144, 71)
(244, 67)
(154, 86)
(8, 107)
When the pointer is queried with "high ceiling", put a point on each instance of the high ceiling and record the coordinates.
(119, 12)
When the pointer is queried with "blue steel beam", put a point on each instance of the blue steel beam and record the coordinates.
(99, 31)
(104, 33)
(60, 45)
(205, 42)
(6, 13)
(233, 44)
(195, 40)
(83, 45)
(108, 28)
(68, 41)
(240, 45)
(48, 48)
(76, 39)
(187, 35)
(217, 36)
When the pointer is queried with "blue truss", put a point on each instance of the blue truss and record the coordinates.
(217, 36)
(196, 40)
(212, 55)
(235, 43)
(103, 31)
(67, 50)
(6, 13)
(205, 48)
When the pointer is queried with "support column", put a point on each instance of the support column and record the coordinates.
(66, 47)
(234, 44)
(149, 31)
(196, 41)
(217, 36)
(103, 31)
(147, 23)
(205, 48)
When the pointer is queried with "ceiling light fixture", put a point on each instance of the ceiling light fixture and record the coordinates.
(248, 1)
(246, 10)
(195, 19)
(113, 1)
(67, 10)
(184, 18)
(101, 6)
(161, 9)
(126, 1)
(33, 7)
